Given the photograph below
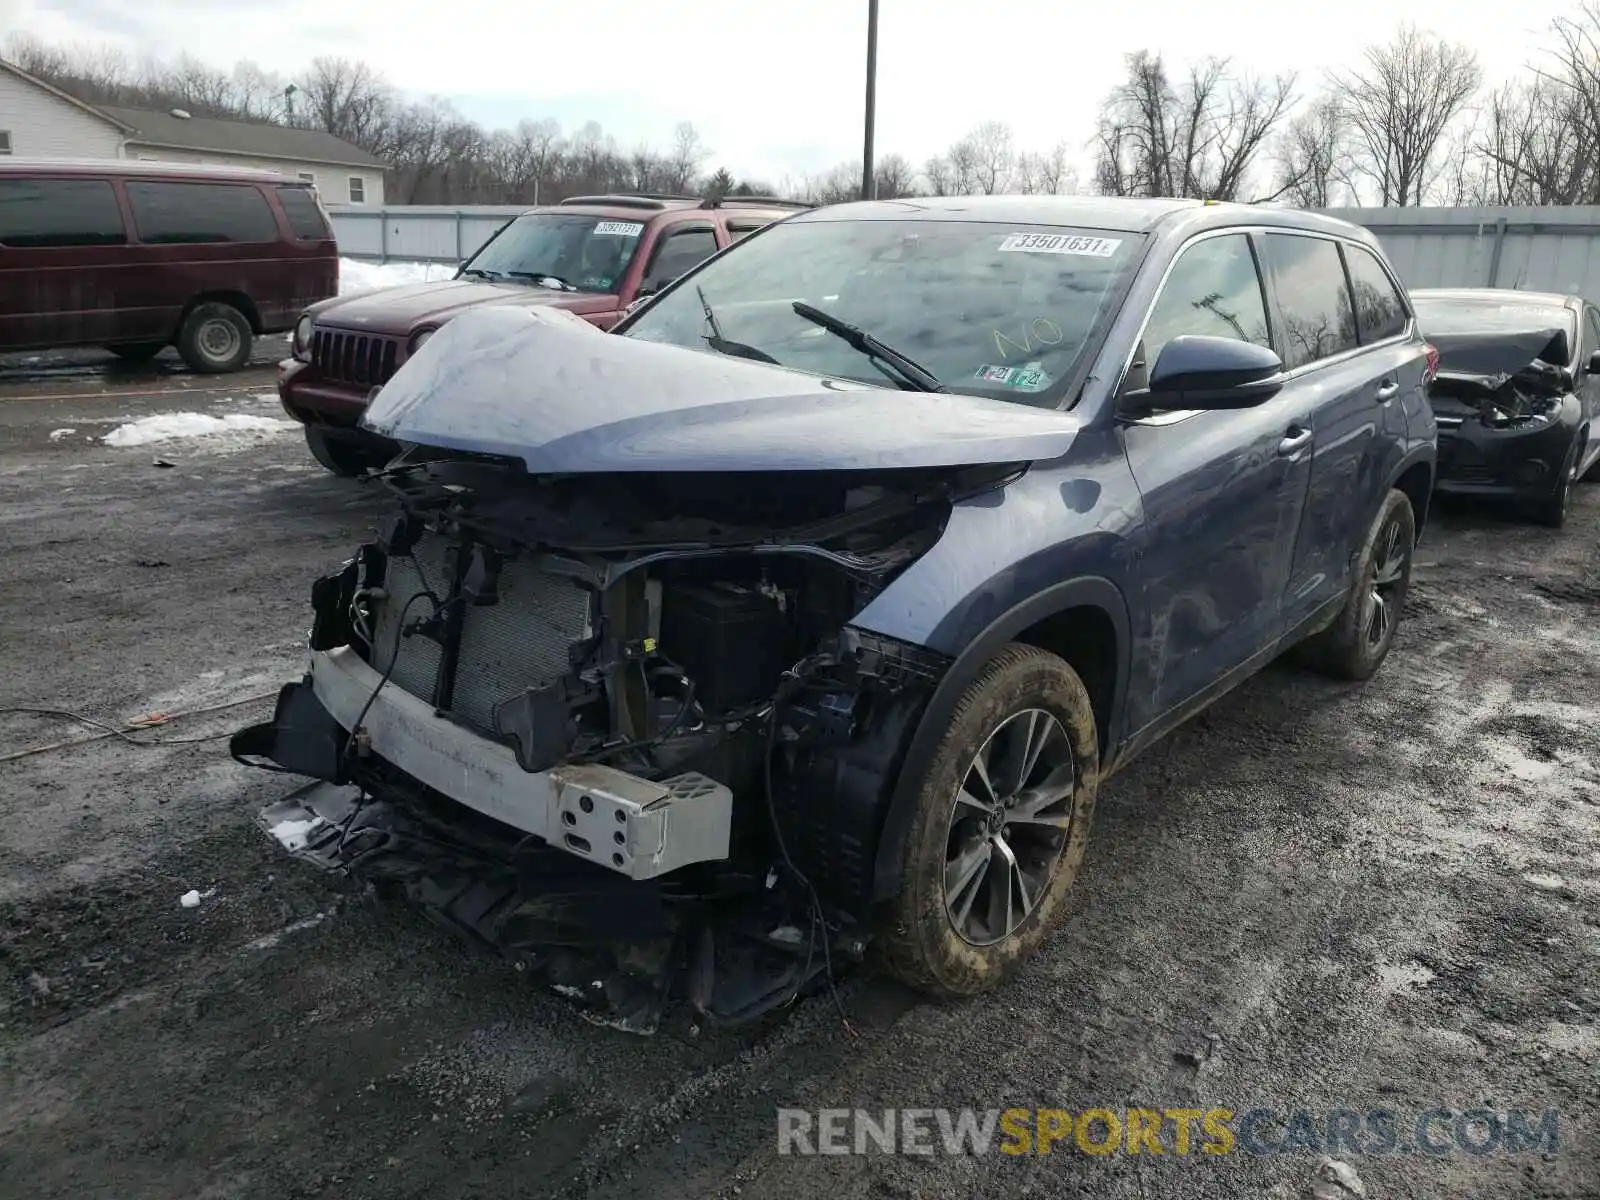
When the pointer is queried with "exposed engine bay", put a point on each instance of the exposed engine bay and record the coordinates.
(618, 728)
(1501, 381)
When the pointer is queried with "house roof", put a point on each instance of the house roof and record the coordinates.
(257, 139)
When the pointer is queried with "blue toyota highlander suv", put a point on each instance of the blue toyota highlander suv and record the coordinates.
(802, 617)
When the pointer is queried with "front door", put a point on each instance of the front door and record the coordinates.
(1223, 492)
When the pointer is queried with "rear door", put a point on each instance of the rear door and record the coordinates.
(203, 237)
(1348, 372)
(1589, 389)
(62, 262)
(1223, 491)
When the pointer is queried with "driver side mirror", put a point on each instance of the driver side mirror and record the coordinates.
(1194, 371)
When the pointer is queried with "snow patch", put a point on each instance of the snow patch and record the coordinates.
(292, 834)
(57, 434)
(356, 276)
(166, 427)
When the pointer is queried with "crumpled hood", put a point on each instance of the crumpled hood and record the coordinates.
(544, 386)
(399, 309)
(1499, 353)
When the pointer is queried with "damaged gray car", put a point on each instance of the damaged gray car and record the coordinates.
(800, 618)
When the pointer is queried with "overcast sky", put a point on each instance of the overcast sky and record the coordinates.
(777, 89)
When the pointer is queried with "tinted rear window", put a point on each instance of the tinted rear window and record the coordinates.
(59, 212)
(1313, 298)
(201, 212)
(1380, 310)
(305, 218)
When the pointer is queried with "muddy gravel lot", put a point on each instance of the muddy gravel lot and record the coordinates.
(1314, 897)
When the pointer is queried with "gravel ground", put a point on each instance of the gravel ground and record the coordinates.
(1313, 896)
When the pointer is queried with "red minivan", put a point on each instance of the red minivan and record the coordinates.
(135, 256)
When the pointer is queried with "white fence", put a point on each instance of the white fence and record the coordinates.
(1540, 249)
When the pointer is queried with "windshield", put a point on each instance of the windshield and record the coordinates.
(1491, 314)
(587, 253)
(996, 310)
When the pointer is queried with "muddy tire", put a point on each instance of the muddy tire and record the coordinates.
(1552, 510)
(215, 338)
(986, 869)
(137, 352)
(1358, 641)
(341, 454)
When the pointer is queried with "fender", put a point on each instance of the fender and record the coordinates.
(1427, 453)
(1086, 592)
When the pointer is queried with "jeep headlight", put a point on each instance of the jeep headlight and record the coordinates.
(417, 338)
(300, 345)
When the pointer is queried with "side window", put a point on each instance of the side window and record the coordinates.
(744, 228)
(1309, 280)
(168, 213)
(1380, 309)
(1213, 290)
(1592, 333)
(59, 212)
(677, 253)
(305, 217)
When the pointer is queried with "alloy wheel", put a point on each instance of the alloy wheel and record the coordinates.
(1008, 825)
(1388, 577)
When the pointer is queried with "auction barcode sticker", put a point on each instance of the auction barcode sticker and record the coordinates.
(1062, 243)
(621, 228)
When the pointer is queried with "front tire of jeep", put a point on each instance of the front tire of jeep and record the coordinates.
(343, 455)
(1004, 811)
(1358, 641)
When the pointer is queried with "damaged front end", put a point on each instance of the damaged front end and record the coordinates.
(618, 727)
(1505, 409)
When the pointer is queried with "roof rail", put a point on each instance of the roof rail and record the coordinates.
(652, 200)
(756, 201)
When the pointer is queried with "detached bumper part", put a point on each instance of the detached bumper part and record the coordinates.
(636, 827)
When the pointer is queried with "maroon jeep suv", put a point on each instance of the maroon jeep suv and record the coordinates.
(592, 255)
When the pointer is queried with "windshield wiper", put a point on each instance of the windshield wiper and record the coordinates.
(480, 273)
(908, 368)
(721, 344)
(542, 277)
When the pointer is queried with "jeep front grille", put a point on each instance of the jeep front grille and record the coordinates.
(522, 641)
(364, 359)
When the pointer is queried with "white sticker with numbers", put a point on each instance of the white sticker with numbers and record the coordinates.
(620, 228)
(1061, 243)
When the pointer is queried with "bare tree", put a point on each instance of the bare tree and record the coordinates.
(1199, 138)
(1314, 160)
(894, 177)
(683, 162)
(1400, 105)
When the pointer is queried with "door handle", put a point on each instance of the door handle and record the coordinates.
(1387, 391)
(1296, 440)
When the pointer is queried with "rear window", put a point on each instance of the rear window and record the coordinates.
(1380, 310)
(1491, 314)
(1000, 310)
(166, 213)
(305, 215)
(59, 212)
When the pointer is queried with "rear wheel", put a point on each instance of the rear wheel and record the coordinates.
(340, 453)
(137, 352)
(1358, 641)
(1005, 807)
(215, 338)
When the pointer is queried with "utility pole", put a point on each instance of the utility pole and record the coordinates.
(869, 189)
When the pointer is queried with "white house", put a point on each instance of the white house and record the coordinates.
(38, 120)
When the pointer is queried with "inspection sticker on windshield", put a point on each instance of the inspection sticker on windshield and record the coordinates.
(1061, 243)
(620, 228)
(1028, 378)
